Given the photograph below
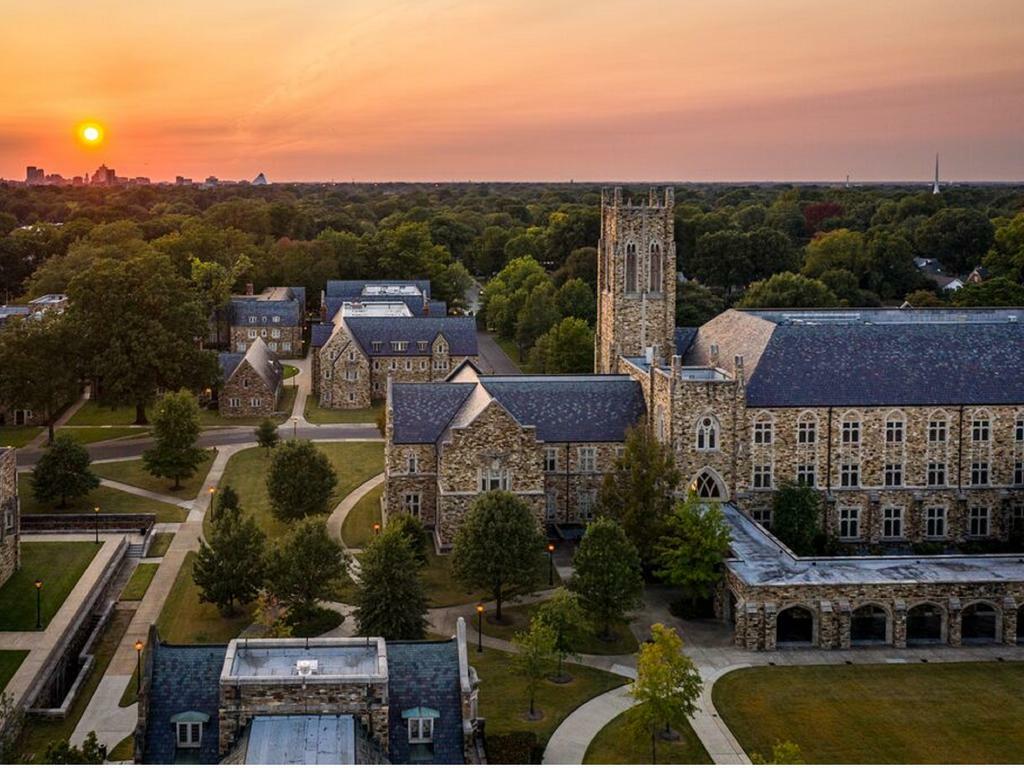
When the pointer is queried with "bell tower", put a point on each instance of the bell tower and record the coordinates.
(636, 278)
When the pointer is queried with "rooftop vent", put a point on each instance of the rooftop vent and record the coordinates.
(306, 667)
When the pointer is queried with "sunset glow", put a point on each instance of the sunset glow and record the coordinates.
(91, 134)
(520, 89)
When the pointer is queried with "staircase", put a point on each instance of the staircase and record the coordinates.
(136, 550)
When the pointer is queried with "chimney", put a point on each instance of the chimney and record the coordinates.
(738, 365)
(249, 289)
(676, 364)
(649, 355)
(713, 355)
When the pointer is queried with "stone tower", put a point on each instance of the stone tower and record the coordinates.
(636, 278)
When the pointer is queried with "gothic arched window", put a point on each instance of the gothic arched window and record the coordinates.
(631, 268)
(655, 282)
(707, 434)
(707, 485)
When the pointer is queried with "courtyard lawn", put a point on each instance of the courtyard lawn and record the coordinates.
(504, 701)
(40, 732)
(109, 500)
(289, 372)
(124, 752)
(141, 578)
(159, 544)
(87, 435)
(443, 590)
(9, 663)
(132, 472)
(246, 472)
(510, 348)
(357, 530)
(879, 713)
(92, 414)
(59, 565)
(184, 620)
(618, 744)
(317, 415)
(517, 619)
(16, 437)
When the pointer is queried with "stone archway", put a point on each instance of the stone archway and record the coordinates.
(869, 625)
(926, 623)
(794, 626)
(979, 624)
(708, 485)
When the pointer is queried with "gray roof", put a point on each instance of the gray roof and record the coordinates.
(263, 362)
(891, 357)
(460, 332)
(422, 411)
(684, 338)
(332, 304)
(320, 333)
(301, 740)
(8, 311)
(350, 289)
(287, 303)
(425, 674)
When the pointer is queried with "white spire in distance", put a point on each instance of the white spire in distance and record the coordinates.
(935, 185)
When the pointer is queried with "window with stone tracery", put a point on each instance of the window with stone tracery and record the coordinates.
(707, 434)
(632, 281)
(655, 271)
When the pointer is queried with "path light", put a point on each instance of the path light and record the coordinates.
(376, 528)
(96, 520)
(479, 627)
(38, 584)
(212, 491)
(551, 564)
(138, 667)
(295, 427)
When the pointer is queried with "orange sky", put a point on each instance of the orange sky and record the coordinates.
(534, 89)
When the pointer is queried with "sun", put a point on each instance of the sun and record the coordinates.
(90, 133)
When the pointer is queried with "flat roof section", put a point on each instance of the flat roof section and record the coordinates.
(296, 660)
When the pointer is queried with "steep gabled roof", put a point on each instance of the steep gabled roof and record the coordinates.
(421, 411)
(320, 333)
(460, 333)
(263, 362)
(287, 303)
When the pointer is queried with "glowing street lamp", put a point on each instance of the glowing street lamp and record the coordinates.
(376, 528)
(38, 584)
(96, 520)
(479, 627)
(551, 565)
(138, 667)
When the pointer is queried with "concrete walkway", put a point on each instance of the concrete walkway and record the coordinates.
(303, 383)
(492, 357)
(569, 742)
(151, 495)
(39, 441)
(337, 517)
(105, 715)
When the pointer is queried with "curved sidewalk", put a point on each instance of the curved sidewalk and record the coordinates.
(337, 517)
(568, 744)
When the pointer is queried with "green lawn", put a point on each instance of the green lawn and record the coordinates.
(504, 701)
(87, 435)
(619, 744)
(59, 565)
(317, 415)
(184, 619)
(141, 578)
(9, 663)
(517, 619)
(510, 348)
(247, 470)
(92, 414)
(16, 437)
(132, 472)
(442, 589)
(124, 751)
(40, 732)
(159, 543)
(289, 371)
(109, 500)
(357, 529)
(883, 713)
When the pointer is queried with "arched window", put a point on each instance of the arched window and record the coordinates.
(807, 429)
(655, 282)
(707, 433)
(707, 485)
(412, 464)
(631, 268)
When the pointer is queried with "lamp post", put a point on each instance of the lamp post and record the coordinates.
(479, 627)
(96, 520)
(212, 491)
(295, 427)
(551, 565)
(38, 584)
(138, 667)
(376, 529)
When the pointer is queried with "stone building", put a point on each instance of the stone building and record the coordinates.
(415, 294)
(287, 701)
(277, 316)
(368, 343)
(548, 439)
(10, 515)
(252, 382)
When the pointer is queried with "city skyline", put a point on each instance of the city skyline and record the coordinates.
(738, 91)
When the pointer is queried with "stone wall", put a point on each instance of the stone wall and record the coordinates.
(10, 516)
(568, 489)
(283, 340)
(400, 481)
(246, 385)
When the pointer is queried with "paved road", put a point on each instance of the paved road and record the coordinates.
(211, 438)
(492, 357)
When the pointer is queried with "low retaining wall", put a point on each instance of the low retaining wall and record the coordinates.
(141, 522)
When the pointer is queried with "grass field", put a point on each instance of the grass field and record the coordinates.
(92, 414)
(247, 470)
(618, 744)
(504, 702)
(517, 619)
(443, 590)
(141, 578)
(289, 371)
(132, 472)
(185, 620)
(109, 500)
(59, 565)
(510, 348)
(39, 732)
(123, 751)
(159, 543)
(357, 530)
(317, 415)
(884, 713)
(87, 435)
(9, 663)
(16, 437)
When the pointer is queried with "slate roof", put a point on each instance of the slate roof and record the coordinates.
(933, 358)
(332, 304)
(425, 674)
(185, 678)
(320, 333)
(228, 362)
(350, 289)
(421, 411)
(460, 332)
(291, 308)
(263, 362)
(683, 339)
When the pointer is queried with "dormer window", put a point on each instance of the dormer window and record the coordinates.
(188, 729)
(252, 319)
(399, 346)
(422, 345)
(421, 728)
(377, 346)
(277, 318)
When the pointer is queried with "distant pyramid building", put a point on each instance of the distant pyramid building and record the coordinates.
(261, 180)
(935, 185)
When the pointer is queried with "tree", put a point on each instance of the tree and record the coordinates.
(266, 434)
(175, 454)
(957, 237)
(924, 298)
(300, 481)
(607, 576)
(138, 322)
(230, 567)
(90, 753)
(667, 686)
(62, 472)
(412, 529)
(787, 290)
(695, 544)
(997, 292)
(539, 313)
(564, 614)
(769, 251)
(838, 249)
(576, 299)
(390, 601)
(568, 347)
(40, 370)
(307, 566)
(1006, 258)
(535, 658)
(695, 304)
(890, 258)
(722, 259)
(638, 490)
(796, 517)
(783, 753)
(499, 547)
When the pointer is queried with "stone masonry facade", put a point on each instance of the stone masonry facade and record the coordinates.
(285, 340)
(246, 394)
(10, 515)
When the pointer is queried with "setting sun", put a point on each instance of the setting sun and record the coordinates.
(90, 133)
